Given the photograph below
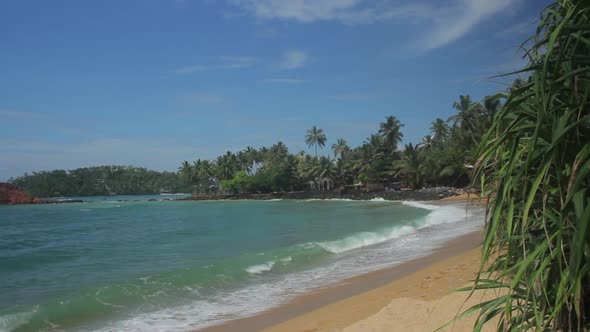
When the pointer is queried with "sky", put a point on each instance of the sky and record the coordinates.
(151, 83)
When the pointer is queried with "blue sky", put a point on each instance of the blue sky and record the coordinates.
(154, 82)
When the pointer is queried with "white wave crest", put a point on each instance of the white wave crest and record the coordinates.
(328, 200)
(286, 260)
(11, 322)
(364, 239)
(443, 215)
(421, 205)
(256, 269)
(377, 199)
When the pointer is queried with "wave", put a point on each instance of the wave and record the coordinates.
(11, 322)
(421, 205)
(328, 200)
(286, 260)
(260, 268)
(443, 215)
(364, 239)
(438, 215)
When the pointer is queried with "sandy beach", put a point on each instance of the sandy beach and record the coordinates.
(414, 296)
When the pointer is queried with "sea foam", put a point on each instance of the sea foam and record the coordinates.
(260, 268)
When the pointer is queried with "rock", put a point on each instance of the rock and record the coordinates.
(11, 194)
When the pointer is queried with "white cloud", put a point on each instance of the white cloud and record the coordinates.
(226, 62)
(449, 28)
(445, 21)
(293, 59)
(284, 80)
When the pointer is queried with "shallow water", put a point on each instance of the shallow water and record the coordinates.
(178, 266)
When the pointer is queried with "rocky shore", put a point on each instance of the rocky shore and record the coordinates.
(426, 194)
(12, 195)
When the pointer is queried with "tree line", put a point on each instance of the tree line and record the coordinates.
(444, 157)
(100, 180)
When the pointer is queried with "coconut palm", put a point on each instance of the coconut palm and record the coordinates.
(277, 153)
(390, 130)
(440, 130)
(465, 117)
(340, 148)
(226, 166)
(426, 143)
(324, 170)
(315, 137)
(409, 167)
(187, 171)
(491, 105)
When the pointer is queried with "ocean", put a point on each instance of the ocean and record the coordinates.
(141, 265)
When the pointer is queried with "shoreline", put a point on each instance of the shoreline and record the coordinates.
(292, 316)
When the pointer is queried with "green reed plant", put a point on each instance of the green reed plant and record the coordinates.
(534, 162)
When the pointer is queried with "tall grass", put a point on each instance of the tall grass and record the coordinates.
(535, 161)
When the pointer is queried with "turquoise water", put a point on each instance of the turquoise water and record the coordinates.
(182, 265)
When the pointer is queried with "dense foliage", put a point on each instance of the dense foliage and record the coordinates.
(101, 180)
(443, 158)
(536, 162)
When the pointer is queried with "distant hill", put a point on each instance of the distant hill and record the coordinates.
(101, 180)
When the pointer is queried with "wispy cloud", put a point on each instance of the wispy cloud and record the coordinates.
(224, 62)
(284, 80)
(462, 18)
(527, 26)
(445, 21)
(293, 59)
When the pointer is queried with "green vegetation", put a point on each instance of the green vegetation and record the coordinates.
(442, 158)
(102, 180)
(535, 162)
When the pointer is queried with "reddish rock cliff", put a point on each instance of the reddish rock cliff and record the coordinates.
(11, 194)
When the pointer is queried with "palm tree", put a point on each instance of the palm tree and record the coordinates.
(426, 143)
(491, 106)
(226, 166)
(277, 153)
(323, 170)
(440, 129)
(186, 171)
(315, 137)
(340, 148)
(391, 132)
(465, 116)
(409, 167)
(518, 83)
